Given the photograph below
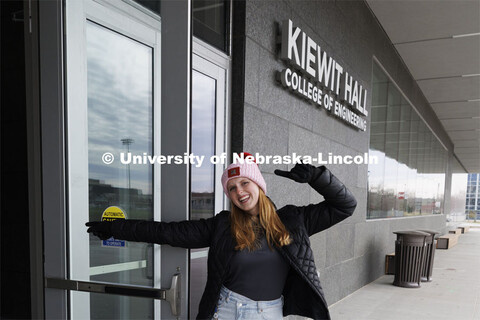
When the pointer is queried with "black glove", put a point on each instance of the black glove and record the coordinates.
(101, 229)
(302, 173)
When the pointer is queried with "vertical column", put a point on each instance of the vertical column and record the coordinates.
(175, 134)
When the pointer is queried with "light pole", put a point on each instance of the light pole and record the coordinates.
(123, 278)
(127, 142)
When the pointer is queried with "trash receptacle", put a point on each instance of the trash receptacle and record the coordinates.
(410, 250)
(429, 256)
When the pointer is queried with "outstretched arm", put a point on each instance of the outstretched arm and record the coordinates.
(339, 201)
(186, 234)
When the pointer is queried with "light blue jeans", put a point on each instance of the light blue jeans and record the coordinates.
(233, 306)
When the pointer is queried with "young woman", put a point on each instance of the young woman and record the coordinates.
(260, 264)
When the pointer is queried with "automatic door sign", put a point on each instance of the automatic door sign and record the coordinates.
(111, 214)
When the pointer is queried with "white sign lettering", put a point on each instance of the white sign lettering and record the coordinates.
(317, 77)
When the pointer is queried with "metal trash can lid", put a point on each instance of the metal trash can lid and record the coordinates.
(417, 238)
(412, 233)
(431, 232)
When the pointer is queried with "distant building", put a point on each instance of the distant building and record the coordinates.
(472, 203)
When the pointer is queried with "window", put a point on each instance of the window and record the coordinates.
(471, 189)
(211, 19)
(409, 178)
(153, 6)
(472, 177)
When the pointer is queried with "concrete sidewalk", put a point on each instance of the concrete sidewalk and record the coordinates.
(454, 292)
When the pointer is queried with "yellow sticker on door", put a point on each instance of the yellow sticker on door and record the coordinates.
(110, 214)
(113, 213)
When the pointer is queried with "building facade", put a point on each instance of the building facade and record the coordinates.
(110, 83)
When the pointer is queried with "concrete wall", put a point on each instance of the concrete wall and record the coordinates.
(351, 254)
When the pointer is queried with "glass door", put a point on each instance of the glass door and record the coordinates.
(120, 114)
(113, 113)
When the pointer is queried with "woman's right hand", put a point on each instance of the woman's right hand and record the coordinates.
(101, 229)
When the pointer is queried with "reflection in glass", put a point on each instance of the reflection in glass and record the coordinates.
(409, 178)
(153, 6)
(120, 104)
(210, 21)
(202, 178)
(203, 144)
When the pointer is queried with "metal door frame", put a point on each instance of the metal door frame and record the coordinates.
(129, 20)
(213, 63)
(206, 54)
(175, 96)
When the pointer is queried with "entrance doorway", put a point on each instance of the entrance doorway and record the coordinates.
(208, 138)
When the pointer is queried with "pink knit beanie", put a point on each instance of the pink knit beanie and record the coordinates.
(247, 169)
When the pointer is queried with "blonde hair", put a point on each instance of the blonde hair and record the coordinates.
(243, 225)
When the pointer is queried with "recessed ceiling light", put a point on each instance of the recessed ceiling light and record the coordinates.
(466, 35)
(473, 100)
(471, 75)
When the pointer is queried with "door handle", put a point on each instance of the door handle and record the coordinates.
(171, 295)
(149, 261)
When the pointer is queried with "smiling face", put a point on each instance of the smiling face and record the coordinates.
(244, 194)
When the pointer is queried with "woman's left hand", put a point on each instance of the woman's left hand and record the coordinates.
(101, 229)
(302, 173)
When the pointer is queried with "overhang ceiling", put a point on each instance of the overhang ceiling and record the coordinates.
(439, 41)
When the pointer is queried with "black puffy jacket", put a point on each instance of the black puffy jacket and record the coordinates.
(303, 294)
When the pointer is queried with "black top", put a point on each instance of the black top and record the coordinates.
(259, 275)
